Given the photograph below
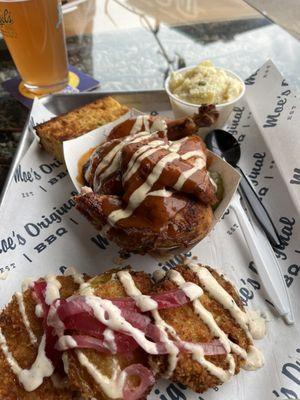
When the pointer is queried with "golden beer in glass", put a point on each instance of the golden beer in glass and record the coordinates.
(34, 33)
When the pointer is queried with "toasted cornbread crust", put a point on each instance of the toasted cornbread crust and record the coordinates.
(75, 123)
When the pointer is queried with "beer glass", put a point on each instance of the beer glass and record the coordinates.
(34, 33)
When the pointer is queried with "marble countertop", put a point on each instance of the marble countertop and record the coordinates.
(140, 58)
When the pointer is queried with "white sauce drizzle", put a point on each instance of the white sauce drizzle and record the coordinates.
(39, 312)
(158, 275)
(41, 368)
(77, 277)
(217, 292)
(142, 301)
(140, 193)
(140, 155)
(194, 153)
(176, 145)
(253, 327)
(66, 342)
(65, 362)
(212, 181)
(257, 324)
(110, 315)
(27, 283)
(209, 320)
(105, 162)
(111, 161)
(224, 376)
(89, 169)
(109, 340)
(170, 346)
(111, 386)
(161, 193)
(132, 291)
(193, 292)
(139, 122)
(20, 300)
(86, 289)
(52, 289)
(255, 359)
(199, 164)
(159, 125)
(54, 320)
(190, 289)
(86, 190)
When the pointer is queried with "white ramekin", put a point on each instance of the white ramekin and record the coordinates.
(182, 108)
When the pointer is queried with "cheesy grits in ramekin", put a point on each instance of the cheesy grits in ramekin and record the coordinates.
(190, 87)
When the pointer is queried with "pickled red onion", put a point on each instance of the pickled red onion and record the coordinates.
(172, 298)
(124, 344)
(39, 289)
(75, 313)
(146, 378)
(213, 348)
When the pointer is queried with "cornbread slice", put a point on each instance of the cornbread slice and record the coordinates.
(75, 123)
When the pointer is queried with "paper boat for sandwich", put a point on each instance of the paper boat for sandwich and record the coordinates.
(74, 150)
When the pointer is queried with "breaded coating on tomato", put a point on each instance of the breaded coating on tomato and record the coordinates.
(24, 348)
(190, 327)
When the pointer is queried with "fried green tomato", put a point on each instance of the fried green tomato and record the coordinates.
(19, 344)
(106, 285)
(191, 328)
